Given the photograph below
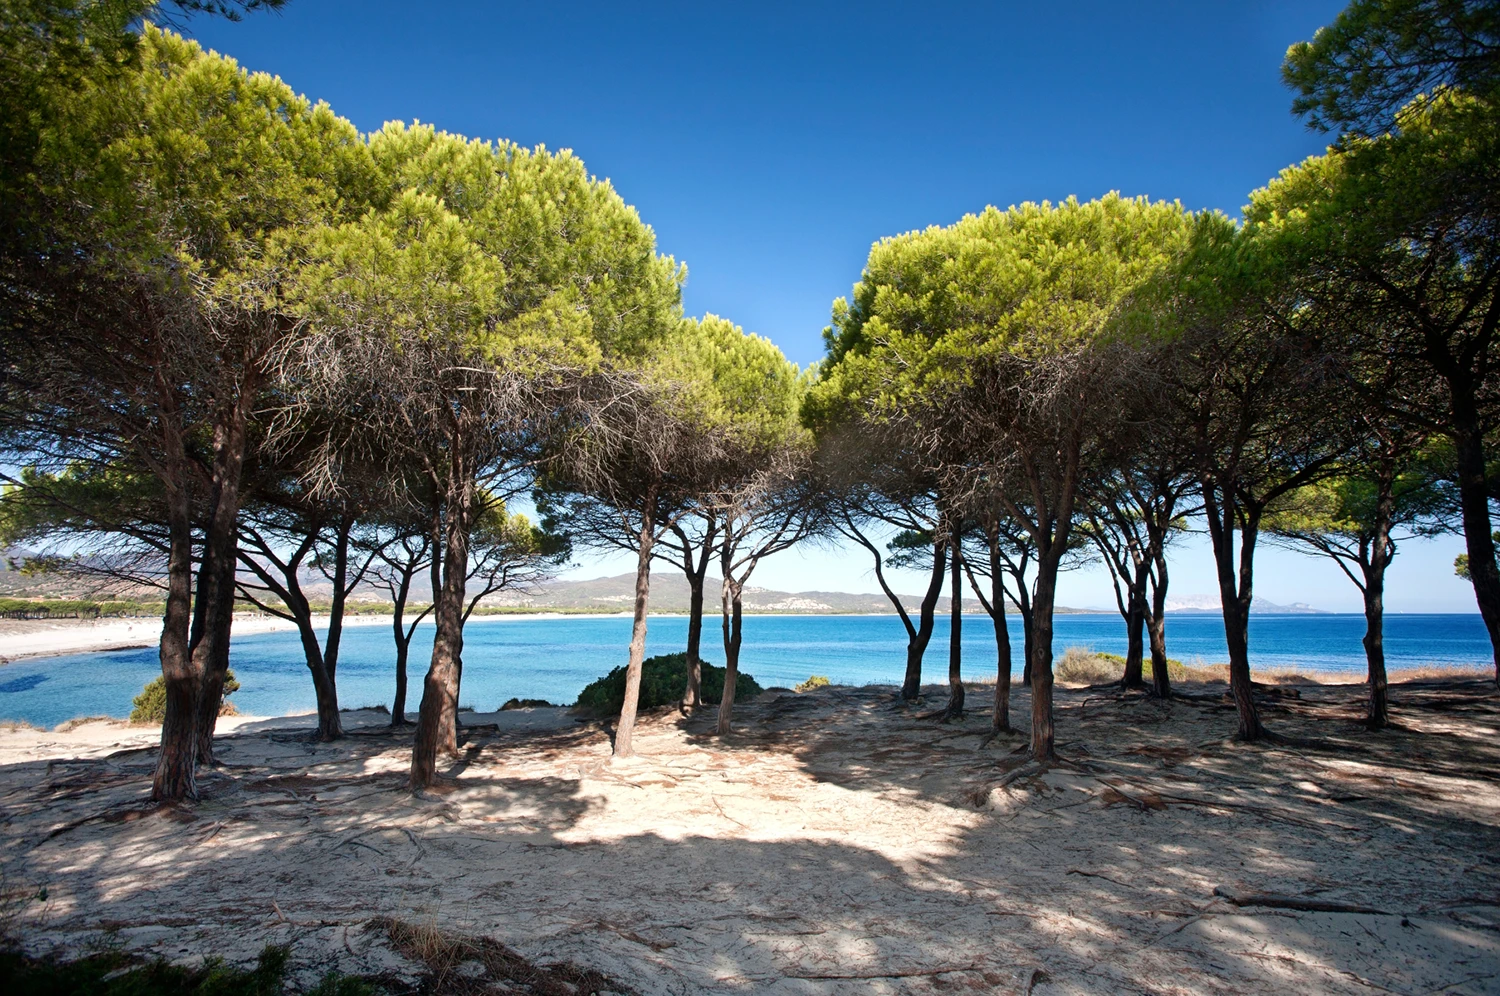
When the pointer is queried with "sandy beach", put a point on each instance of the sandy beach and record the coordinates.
(837, 843)
(24, 638)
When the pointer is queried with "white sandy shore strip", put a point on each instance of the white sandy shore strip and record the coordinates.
(49, 638)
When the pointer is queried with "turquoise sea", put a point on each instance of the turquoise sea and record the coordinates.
(552, 659)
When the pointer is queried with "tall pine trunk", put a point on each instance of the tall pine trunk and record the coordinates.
(733, 617)
(1000, 720)
(1235, 593)
(1043, 736)
(692, 698)
(175, 778)
(1376, 560)
(221, 559)
(1474, 503)
(403, 646)
(437, 717)
(645, 539)
(1135, 625)
(955, 708)
(916, 645)
(1156, 628)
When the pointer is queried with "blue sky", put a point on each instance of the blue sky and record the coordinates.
(769, 145)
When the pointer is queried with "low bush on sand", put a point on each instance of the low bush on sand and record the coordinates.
(663, 682)
(813, 681)
(526, 704)
(151, 705)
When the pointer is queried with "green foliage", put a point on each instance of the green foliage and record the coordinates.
(151, 705)
(115, 973)
(74, 608)
(1176, 670)
(813, 681)
(1378, 55)
(663, 682)
(1000, 288)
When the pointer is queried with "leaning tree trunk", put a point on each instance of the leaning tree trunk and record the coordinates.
(403, 646)
(175, 778)
(733, 617)
(626, 730)
(437, 717)
(693, 697)
(329, 726)
(1479, 542)
(916, 645)
(955, 708)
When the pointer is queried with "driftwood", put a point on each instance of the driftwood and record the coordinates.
(1305, 903)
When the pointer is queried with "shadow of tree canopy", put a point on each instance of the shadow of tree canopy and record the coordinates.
(832, 844)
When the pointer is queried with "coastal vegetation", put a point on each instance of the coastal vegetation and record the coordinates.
(244, 341)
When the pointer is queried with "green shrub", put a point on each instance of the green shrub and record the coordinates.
(813, 681)
(663, 682)
(1176, 670)
(526, 704)
(151, 705)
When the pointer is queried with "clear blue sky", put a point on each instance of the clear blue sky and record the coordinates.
(770, 144)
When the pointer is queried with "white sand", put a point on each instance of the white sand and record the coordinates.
(833, 845)
(44, 638)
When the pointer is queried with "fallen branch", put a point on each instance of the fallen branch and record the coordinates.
(1305, 904)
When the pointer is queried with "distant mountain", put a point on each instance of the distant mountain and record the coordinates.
(1204, 604)
(670, 593)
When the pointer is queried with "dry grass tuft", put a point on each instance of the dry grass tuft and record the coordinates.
(16, 725)
(73, 724)
(1081, 666)
(462, 965)
(1441, 672)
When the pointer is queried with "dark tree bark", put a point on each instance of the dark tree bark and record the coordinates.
(220, 557)
(955, 709)
(1235, 596)
(1474, 503)
(175, 778)
(733, 618)
(1156, 627)
(1135, 624)
(916, 644)
(437, 717)
(625, 731)
(995, 606)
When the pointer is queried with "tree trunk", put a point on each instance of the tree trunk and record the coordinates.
(955, 708)
(693, 697)
(403, 645)
(1479, 542)
(1156, 627)
(733, 617)
(175, 778)
(1000, 720)
(330, 727)
(916, 646)
(221, 559)
(1234, 598)
(625, 731)
(1379, 557)
(1042, 734)
(437, 717)
(1028, 633)
(1135, 624)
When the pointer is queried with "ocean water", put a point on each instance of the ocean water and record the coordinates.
(552, 659)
